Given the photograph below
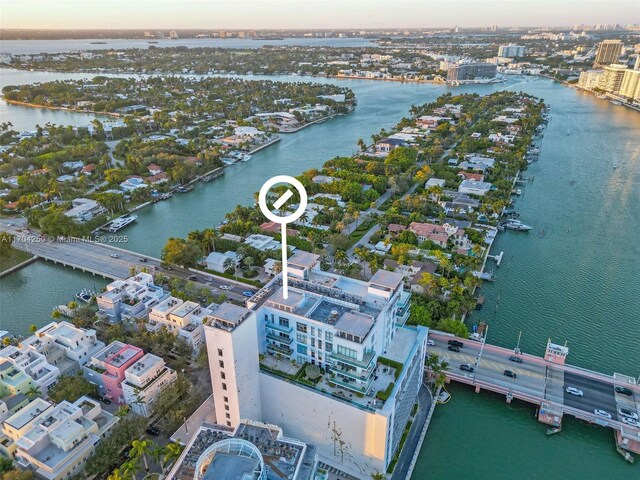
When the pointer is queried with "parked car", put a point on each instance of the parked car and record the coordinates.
(467, 368)
(114, 255)
(624, 390)
(602, 413)
(509, 373)
(153, 431)
(193, 278)
(430, 342)
(513, 358)
(574, 391)
(105, 400)
(456, 343)
(247, 294)
(453, 348)
(625, 412)
(224, 287)
(630, 421)
(142, 260)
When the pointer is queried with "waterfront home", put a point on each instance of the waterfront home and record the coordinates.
(84, 209)
(154, 169)
(218, 261)
(431, 121)
(440, 234)
(320, 179)
(133, 183)
(55, 442)
(144, 381)
(273, 227)
(388, 144)
(460, 203)
(502, 138)
(107, 369)
(157, 179)
(477, 167)
(474, 187)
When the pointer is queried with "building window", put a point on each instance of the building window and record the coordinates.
(347, 352)
(301, 338)
(228, 423)
(301, 327)
(219, 352)
(226, 399)
(223, 376)
(302, 349)
(328, 347)
(226, 407)
(224, 386)
(227, 415)
(284, 322)
(221, 364)
(313, 342)
(328, 336)
(313, 331)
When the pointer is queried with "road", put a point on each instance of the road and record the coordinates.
(113, 262)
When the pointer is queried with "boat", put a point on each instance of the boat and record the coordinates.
(615, 165)
(554, 430)
(486, 276)
(152, 41)
(516, 225)
(98, 43)
(85, 295)
(184, 189)
(246, 157)
(120, 223)
(615, 102)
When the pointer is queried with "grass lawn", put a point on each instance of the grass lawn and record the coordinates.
(359, 232)
(12, 259)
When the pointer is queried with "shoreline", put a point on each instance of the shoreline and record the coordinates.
(53, 107)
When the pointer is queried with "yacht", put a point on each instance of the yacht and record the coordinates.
(120, 223)
(517, 225)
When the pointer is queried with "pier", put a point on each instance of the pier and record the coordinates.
(543, 381)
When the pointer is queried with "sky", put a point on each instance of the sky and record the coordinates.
(309, 14)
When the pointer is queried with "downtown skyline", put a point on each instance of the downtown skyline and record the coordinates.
(312, 14)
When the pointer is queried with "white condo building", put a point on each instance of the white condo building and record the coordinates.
(144, 380)
(64, 345)
(181, 318)
(330, 363)
(33, 364)
(130, 298)
(55, 441)
(511, 51)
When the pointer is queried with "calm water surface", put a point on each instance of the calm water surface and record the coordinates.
(573, 277)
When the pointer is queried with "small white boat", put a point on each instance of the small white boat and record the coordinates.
(246, 158)
(615, 165)
(615, 102)
(517, 225)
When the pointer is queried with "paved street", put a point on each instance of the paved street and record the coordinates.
(113, 262)
(597, 394)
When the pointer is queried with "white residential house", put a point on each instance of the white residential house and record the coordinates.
(144, 380)
(133, 183)
(474, 188)
(131, 298)
(34, 364)
(217, 261)
(84, 209)
(262, 242)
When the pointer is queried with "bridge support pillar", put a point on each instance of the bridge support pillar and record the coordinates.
(509, 398)
(477, 388)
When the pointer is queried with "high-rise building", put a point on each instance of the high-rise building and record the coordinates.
(612, 76)
(464, 72)
(630, 86)
(590, 79)
(608, 52)
(333, 353)
(511, 51)
(173, 35)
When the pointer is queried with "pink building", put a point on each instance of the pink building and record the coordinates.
(108, 366)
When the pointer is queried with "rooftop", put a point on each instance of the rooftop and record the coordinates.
(228, 316)
(386, 279)
(145, 364)
(355, 323)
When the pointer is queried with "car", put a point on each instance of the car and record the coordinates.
(602, 413)
(105, 400)
(630, 421)
(114, 255)
(10, 224)
(574, 391)
(224, 287)
(193, 278)
(513, 358)
(509, 373)
(624, 390)
(247, 293)
(453, 348)
(467, 368)
(625, 412)
(142, 260)
(153, 431)
(430, 342)
(456, 343)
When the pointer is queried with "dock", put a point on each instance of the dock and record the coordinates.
(543, 381)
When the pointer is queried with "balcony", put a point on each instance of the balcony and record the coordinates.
(362, 375)
(364, 363)
(349, 385)
(279, 349)
(280, 328)
(279, 338)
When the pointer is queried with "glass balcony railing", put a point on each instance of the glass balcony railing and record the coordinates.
(279, 338)
(280, 349)
(366, 361)
(350, 384)
(280, 328)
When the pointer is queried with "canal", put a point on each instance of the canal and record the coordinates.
(573, 277)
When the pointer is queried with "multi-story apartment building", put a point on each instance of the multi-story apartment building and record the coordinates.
(630, 86)
(144, 380)
(64, 345)
(130, 298)
(13, 379)
(590, 79)
(464, 72)
(511, 51)
(612, 77)
(608, 52)
(181, 318)
(107, 369)
(329, 363)
(34, 364)
(56, 441)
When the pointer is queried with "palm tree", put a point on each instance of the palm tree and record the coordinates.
(378, 476)
(140, 449)
(171, 453)
(122, 411)
(129, 469)
(34, 391)
(117, 475)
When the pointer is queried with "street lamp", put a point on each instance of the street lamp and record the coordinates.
(484, 340)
